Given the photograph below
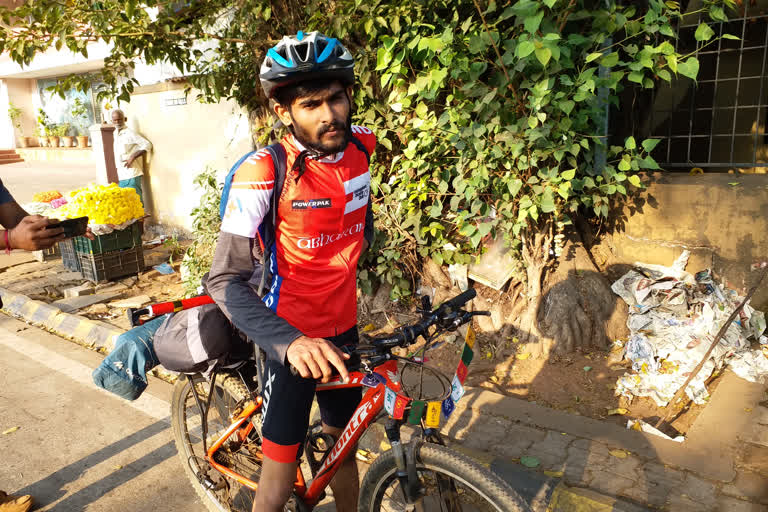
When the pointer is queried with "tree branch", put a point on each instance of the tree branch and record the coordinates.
(510, 85)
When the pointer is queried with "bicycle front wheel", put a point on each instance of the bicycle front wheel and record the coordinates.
(451, 483)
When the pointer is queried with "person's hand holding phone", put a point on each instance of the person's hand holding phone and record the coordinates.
(33, 233)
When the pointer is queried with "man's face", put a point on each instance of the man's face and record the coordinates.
(118, 120)
(320, 121)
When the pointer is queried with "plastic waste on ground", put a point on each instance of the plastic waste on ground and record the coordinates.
(674, 317)
(644, 427)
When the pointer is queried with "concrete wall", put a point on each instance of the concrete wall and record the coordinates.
(186, 140)
(721, 218)
(22, 92)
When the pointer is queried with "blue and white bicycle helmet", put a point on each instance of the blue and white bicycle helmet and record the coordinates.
(305, 57)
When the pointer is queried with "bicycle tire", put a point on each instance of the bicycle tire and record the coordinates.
(230, 390)
(492, 491)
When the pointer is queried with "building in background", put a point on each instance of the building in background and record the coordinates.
(187, 137)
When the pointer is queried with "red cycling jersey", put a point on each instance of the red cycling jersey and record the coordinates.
(318, 232)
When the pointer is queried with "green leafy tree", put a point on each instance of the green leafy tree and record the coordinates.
(490, 114)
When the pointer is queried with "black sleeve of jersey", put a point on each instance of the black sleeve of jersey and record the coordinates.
(228, 285)
(368, 230)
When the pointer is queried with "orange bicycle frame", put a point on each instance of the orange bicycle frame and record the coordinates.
(368, 409)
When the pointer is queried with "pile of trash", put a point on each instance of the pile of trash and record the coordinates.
(674, 317)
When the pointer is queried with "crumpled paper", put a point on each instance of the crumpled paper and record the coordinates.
(674, 317)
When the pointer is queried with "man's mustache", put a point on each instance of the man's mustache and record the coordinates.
(335, 125)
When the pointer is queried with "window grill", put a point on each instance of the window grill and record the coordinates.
(719, 121)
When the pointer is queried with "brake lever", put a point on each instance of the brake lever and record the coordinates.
(465, 318)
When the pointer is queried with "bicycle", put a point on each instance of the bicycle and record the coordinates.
(216, 428)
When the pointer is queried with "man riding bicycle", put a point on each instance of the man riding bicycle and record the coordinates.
(323, 224)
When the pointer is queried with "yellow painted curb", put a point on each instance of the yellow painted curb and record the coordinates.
(574, 499)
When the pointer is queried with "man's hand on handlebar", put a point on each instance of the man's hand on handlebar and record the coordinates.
(313, 358)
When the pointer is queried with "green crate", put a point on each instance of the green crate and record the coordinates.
(117, 240)
(68, 255)
(111, 265)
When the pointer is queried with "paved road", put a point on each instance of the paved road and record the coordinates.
(25, 179)
(79, 448)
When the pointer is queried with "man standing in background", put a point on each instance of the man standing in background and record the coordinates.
(129, 148)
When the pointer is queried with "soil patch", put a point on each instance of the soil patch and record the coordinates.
(581, 383)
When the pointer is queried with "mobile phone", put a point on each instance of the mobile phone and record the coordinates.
(72, 227)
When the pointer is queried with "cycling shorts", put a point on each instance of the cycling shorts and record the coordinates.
(287, 401)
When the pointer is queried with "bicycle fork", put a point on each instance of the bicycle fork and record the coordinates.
(412, 487)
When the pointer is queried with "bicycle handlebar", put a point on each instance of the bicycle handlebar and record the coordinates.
(446, 316)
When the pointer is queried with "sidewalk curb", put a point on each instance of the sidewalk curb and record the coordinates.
(74, 327)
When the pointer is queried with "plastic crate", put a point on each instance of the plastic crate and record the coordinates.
(117, 240)
(111, 265)
(68, 255)
(46, 254)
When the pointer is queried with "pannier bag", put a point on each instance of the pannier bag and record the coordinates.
(195, 339)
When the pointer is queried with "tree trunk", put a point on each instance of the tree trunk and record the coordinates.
(536, 256)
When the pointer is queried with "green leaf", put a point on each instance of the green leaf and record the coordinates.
(529, 462)
(636, 76)
(532, 23)
(524, 49)
(704, 32)
(514, 186)
(567, 106)
(649, 163)
(468, 230)
(550, 3)
(716, 13)
(650, 144)
(543, 54)
(594, 56)
(732, 37)
(547, 202)
(635, 180)
(610, 60)
(484, 228)
(569, 174)
(689, 68)
(672, 62)
(476, 44)
(630, 143)
(624, 165)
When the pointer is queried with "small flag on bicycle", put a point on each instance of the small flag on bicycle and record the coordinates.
(461, 372)
(448, 407)
(389, 401)
(417, 412)
(469, 339)
(467, 355)
(457, 390)
(433, 415)
(401, 402)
